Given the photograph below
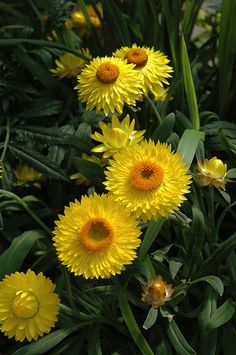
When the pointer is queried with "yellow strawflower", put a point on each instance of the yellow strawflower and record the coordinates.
(28, 305)
(149, 179)
(213, 173)
(97, 237)
(25, 174)
(115, 136)
(156, 292)
(108, 83)
(69, 65)
(80, 178)
(152, 65)
(78, 20)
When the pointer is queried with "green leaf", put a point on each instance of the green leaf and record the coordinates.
(48, 135)
(227, 48)
(222, 315)
(189, 86)
(42, 107)
(214, 281)
(132, 325)
(231, 174)
(177, 340)
(220, 254)
(93, 172)
(94, 346)
(12, 259)
(38, 161)
(229, 339)
(164, 130)
(174, 266)
(44, 344)
(188, 144)
(151, 318)
(152, 231)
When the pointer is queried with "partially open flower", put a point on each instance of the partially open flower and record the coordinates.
(156, 292)
(25, 174)
(79, 20)
(115, 136)
(213, 173)
(70, 65)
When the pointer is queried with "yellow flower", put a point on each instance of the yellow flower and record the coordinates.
(28, 306)
(25, 174)
(115, 136)
(213, 173)
(153, 66)
(97, 237)
(69, 65)
(149, 179)
(80, 178)
(156, 292)
(108, 83)
(78, 18)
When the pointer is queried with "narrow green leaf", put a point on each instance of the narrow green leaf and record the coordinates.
(164, 130)
(93, 172)
(220, 254)
(151, 233)
(12, 259)
(94, 346)
(48, 135)
(174, 266)
(229, 339)
(38, 161)
(189, 86)
(188, 144)
(222, 315)
(44, 344)
(231, 174)
(214, 281)
(177, 340)
(132, 325)
(151, 318)
(190, 13)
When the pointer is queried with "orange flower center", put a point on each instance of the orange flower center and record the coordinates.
(137, 56)
(107, 73)
(25, 305)
(96, 234)
(147, 175)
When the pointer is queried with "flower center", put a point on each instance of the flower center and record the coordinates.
(96, 234)
(25, 304)
(107, 73)
(137, 56)
(157, 291)
(147, 175)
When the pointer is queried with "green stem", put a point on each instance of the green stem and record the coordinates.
(6, 140)
(12, 196)
(66, 277)
(211, 213)
(154, 109)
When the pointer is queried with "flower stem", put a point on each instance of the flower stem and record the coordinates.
(155, 110)
(211, 212)
(13, 196)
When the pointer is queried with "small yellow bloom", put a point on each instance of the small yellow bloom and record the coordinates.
(96, 237)
(69, 65)
(25, 174)
(115, 136)
(108, 83)
(213, 173)
(80, 178)
(78, 18)
(28, 305)
(152, 66)
(156, 292)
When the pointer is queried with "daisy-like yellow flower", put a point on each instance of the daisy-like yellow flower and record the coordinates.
(156, 292)
(25, 174)
(78, 19)
(28, 305)
(149, 179)
(115, 136)
(69, 65)
(108, 83)
(97, 237)
(80, 178)
(152, 65)
(213, 173)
